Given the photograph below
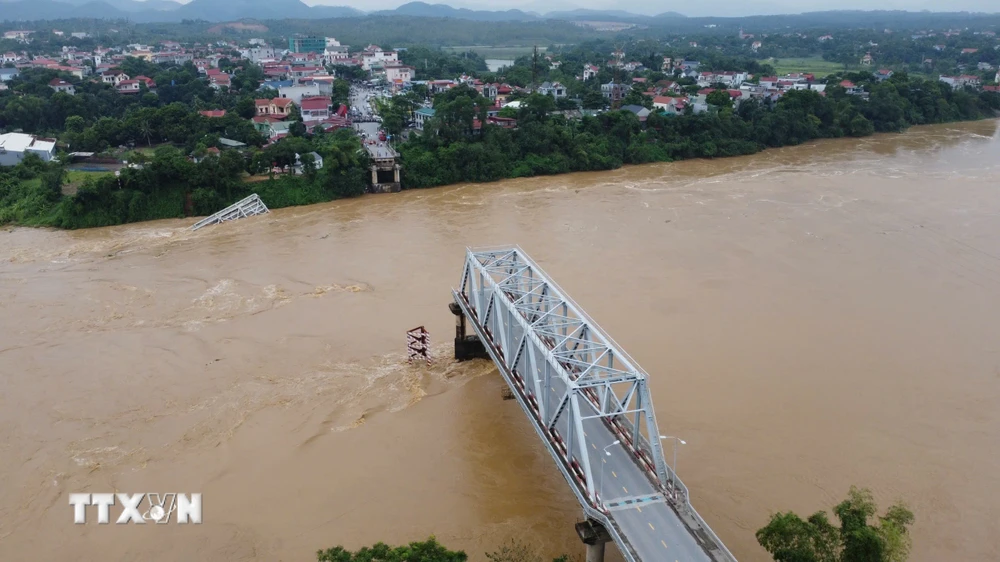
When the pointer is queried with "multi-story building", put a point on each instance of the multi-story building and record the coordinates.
(307, 44)
(113, 77)
(398, 73)
(554, 89)
(60, 85)
(298, 91)
(374, 55)
(277, 107)
(614, 92)
(315, 108)
(258, 54)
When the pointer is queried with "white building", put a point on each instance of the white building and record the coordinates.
(60, 85)
(14, 147)
(296, 93)
(374, 55)
(258, 54)
(554, 89)
(398, 73)
(730, 78)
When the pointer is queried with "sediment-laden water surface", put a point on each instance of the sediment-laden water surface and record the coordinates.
(811, 318)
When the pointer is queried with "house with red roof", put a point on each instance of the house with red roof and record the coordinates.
(218, 81)
(114, 77)
(60, 85)
(277, 107)
(316, 108)
(852, 88)
(135, 86)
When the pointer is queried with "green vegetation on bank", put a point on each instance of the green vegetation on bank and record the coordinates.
(429, 551)
(451, 150)
(168, 184)
(859, 538)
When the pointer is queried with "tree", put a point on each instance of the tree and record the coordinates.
(719, 98)
(790, 539)
(427, 551)
(516, 551)
(246, 108)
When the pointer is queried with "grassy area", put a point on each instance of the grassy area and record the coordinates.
(813, 65)
(488, 52)
(75, 178)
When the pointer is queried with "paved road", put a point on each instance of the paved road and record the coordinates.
(359, 100)
(653, 529)
(380, 150)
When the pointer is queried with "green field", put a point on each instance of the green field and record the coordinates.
(488, 52)
(809, 65)
(75, 178)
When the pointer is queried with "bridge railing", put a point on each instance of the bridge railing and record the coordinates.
(519, 311)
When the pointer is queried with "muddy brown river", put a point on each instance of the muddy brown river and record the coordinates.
(811, 318)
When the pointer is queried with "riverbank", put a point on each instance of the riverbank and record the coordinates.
(543, 144)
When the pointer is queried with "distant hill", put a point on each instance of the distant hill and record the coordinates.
(423, 9)
(592, 15)
(335, 12)
(226, 10)
(33, 10)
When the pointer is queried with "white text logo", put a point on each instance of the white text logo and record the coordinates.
(156, 508)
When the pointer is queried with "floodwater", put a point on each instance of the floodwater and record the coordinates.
(811, 318)
(495, 65)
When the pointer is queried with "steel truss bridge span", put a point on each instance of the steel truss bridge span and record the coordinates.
(590, 404)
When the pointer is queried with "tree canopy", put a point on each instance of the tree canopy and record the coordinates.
(861, 537)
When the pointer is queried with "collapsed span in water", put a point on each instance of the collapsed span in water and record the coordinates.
(247, 207)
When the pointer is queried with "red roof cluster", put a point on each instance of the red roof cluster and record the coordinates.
(316, 102)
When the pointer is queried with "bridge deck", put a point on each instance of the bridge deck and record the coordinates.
(582, 393)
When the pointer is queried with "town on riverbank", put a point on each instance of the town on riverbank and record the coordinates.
(101, 127)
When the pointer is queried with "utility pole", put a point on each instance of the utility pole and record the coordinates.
(534, 68)
(616, 91)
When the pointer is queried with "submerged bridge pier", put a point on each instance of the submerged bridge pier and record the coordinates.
(589, 403)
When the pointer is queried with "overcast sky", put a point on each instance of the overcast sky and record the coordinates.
(693, 8)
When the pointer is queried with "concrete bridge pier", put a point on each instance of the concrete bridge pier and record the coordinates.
(595, 552)
(595, 537)
(466, 346)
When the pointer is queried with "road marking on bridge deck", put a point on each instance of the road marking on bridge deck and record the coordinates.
(634, 502)
(651, 526)
(624, 488)
(664, 544)
(592, 445)
(613, 474)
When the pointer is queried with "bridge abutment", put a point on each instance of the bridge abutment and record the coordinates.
(595, 537)
(466, 346)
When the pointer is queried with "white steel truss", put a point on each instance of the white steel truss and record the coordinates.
(540, 340)
(246, 207)
(543, 334)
